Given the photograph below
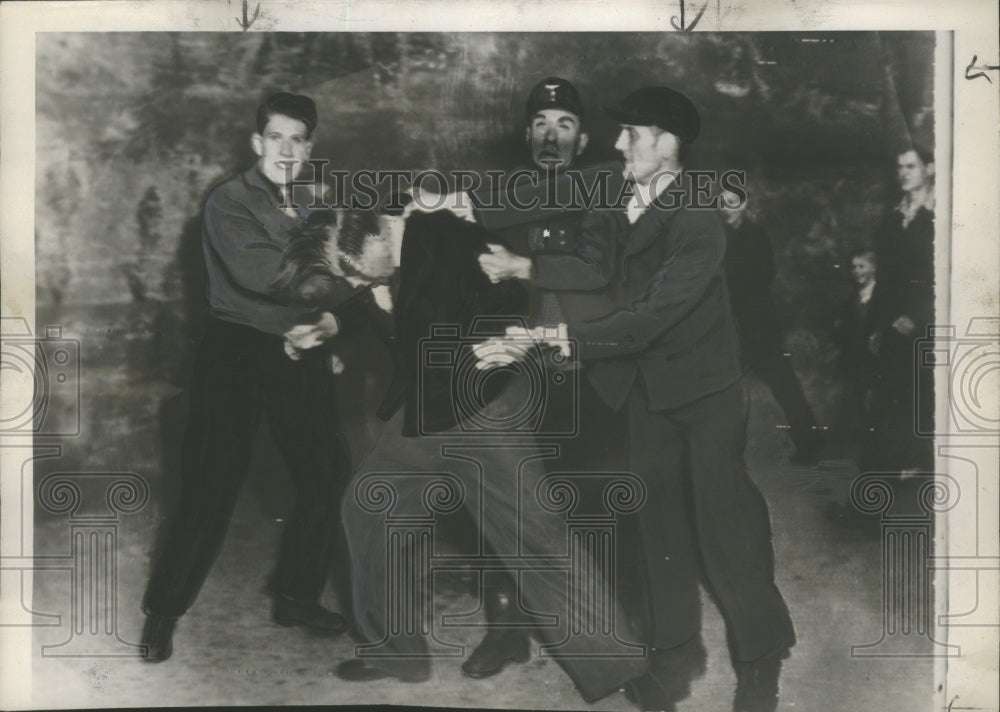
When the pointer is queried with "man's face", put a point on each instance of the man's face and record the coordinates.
(912, 173)
(284, 141)
(862, 269)
(647, 151)
(555, 138)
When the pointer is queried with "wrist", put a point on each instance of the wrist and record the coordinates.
(523, 268)
(330, 323)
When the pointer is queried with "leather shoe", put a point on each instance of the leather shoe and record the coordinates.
(309, 614)
(648, 695)
(506, 639)
(359, 671)
(157, 638)
(497, 648)
(669, 678)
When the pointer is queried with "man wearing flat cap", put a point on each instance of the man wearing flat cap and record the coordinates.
(668, 357)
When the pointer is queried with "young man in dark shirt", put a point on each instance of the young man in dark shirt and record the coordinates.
(904, 246)
(243, 371)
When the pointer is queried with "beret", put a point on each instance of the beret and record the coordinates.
(659, 106)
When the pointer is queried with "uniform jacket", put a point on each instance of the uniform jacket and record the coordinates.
(672, 327)
(558, 232)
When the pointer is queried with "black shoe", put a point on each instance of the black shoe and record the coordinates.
(360, 671)
(309, 614)
(503, 642)
(158, 638)
(757, 683)
(669, 678)
(648, 695)
(498, 648)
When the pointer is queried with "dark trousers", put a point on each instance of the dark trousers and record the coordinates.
(704, 514)
(588, 436)
(240, 374)
(388, 514)
(767, 360)
(902, 407)
(600, 446)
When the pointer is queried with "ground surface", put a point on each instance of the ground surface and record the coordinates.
(229, 652)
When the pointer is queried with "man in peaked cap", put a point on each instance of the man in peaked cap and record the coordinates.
(555, 118)
(668, 356)
(555, 137)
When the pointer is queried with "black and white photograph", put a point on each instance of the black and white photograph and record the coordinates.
(517, 355)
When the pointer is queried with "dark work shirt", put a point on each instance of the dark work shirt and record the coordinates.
(244, 234)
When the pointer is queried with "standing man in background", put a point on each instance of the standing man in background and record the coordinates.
(242, 371)
(749, 274)
(904, 246)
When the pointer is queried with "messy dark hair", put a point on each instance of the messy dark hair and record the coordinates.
(294, 106)
(306, 271)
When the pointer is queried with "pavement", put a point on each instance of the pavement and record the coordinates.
(227, 651)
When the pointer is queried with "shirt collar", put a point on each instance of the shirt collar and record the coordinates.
(303, 193)
(909, 209)
(255, 178)
(865, 293)
(643, 197)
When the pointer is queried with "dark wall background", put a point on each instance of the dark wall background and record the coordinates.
(134, 128)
